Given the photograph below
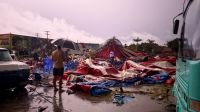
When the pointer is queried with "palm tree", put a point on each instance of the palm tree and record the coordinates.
(137, 40)
(150, 41)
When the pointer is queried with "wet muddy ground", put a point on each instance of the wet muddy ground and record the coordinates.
(147, 98)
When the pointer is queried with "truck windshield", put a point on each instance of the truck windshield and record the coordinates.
(5, 55)
(192, 32)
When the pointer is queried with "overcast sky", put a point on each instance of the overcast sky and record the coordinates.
(91, 20)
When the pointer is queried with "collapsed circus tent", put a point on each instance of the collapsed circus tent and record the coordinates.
(114, 45)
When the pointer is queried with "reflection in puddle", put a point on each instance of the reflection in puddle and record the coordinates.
(46, 100)
(15, 100)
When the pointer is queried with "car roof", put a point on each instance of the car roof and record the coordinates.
(3, 49)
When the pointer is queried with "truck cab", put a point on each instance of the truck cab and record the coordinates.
(187, 85)
(12, 73)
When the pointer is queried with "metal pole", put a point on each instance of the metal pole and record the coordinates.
(47, 33)
(37, 35)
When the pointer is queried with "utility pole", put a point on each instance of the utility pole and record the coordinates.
(37, 35)
(37, 40)
(47, 33)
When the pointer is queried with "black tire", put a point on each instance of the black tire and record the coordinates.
(21, 86)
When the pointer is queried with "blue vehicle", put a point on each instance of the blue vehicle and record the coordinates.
(187, 84)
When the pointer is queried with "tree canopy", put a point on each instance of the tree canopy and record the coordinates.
(173, 44)
(149, 47)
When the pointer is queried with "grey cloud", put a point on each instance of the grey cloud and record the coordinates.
(100, 18)
(28, 23)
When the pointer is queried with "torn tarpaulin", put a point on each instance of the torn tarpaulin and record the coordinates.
(91, 89)
(121, 99)
(156, 79)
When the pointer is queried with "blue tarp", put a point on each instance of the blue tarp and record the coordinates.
(71, 65)
(156, 79)
(102, 87)
(97, 91)
(107, 83)
(121, 99)
(48, 64)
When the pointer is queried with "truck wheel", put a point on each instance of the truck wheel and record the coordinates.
(21, 86)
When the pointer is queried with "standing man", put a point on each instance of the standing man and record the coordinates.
(58, 67)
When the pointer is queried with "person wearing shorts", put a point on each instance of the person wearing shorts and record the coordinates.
(58, 67)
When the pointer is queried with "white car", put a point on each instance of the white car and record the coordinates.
(12, 73)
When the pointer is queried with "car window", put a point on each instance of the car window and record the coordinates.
(5, 56)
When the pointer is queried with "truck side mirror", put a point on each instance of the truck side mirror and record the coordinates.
(175, 26)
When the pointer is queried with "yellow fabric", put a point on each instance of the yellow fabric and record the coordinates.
(58, 58)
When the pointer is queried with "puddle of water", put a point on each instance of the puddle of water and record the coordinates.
(45, 98)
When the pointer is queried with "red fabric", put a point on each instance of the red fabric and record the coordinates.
(84, 69)
(169, 70)
(170, 81)
(152, 60)
(104, 53)
(85, 88)
(95, 72)
(140, 54)
(65, 76)
(127, 65)
(119, 52)
(111, 70)
(171, 60)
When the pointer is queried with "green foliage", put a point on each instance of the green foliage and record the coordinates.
(132, 47)
(173, 44)
(148, 47)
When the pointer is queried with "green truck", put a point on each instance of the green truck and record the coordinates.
(187, 84)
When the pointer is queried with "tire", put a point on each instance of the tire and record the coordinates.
(22, 85)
